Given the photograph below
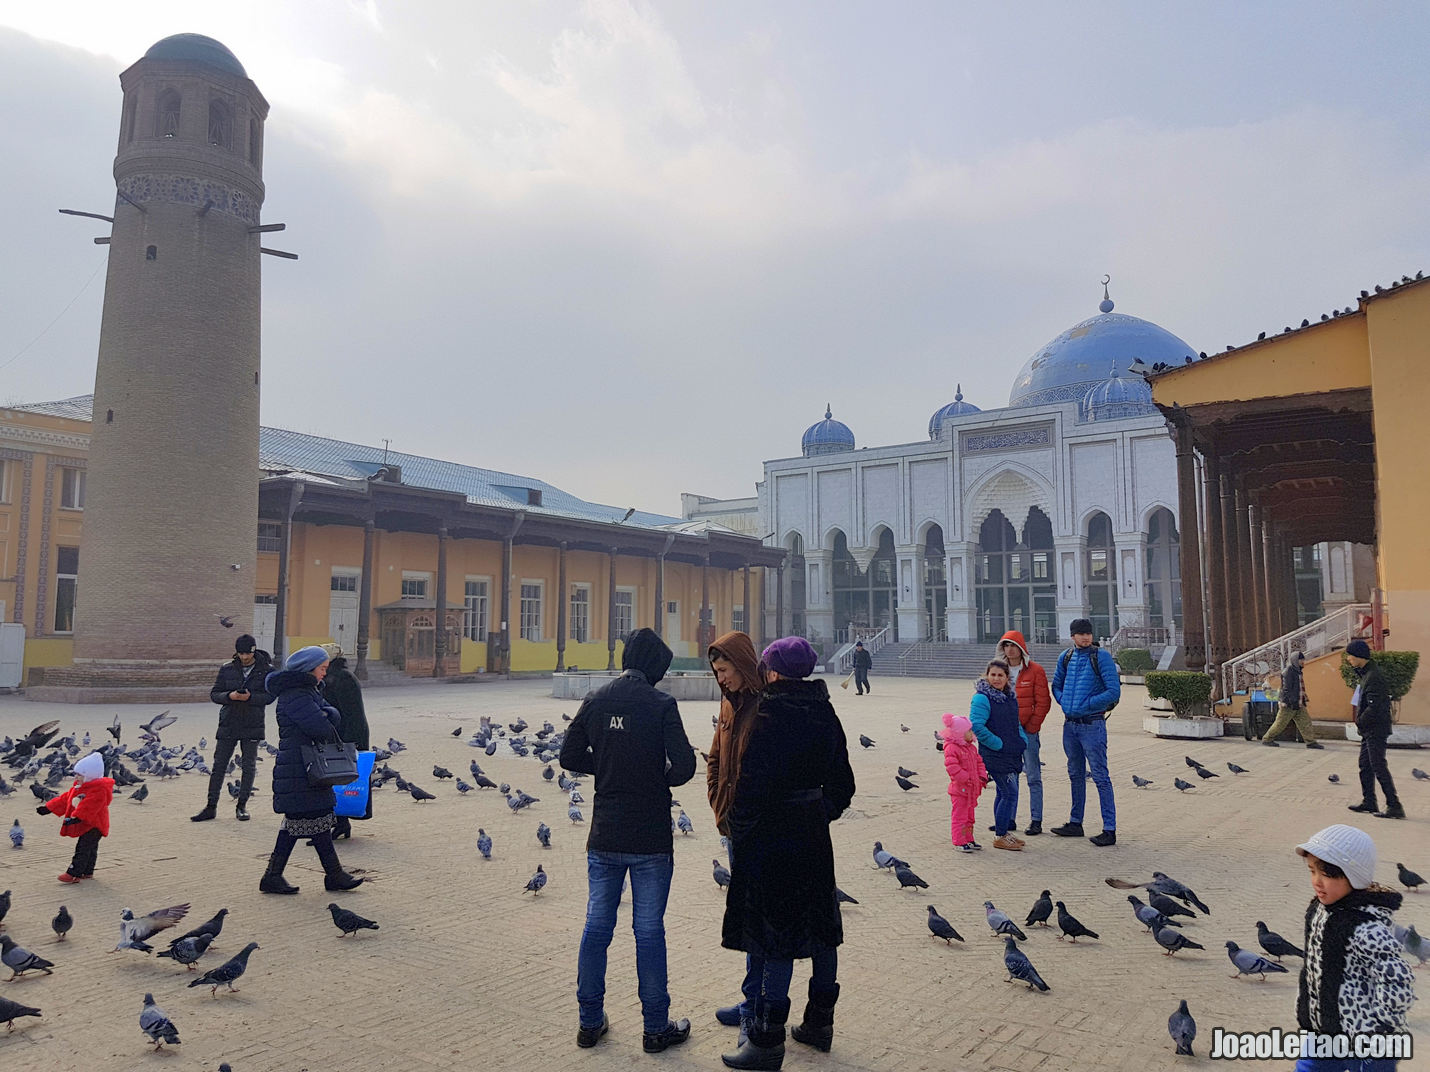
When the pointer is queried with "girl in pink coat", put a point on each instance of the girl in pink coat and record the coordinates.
(966, 778)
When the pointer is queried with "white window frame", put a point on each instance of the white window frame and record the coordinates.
(476, 609)
(345, 574)
(4, 481)
(71, 487)
(530, 627)
(270, 537)
(61, 580)
(625, 629)
(737, 618)
(413, 576)
(578, 626)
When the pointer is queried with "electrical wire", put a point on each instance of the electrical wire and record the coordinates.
(24, 349)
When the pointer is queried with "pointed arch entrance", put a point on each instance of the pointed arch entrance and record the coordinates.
(864, 600)
(1015, 582)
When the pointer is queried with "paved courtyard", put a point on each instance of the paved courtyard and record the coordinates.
(467, 971)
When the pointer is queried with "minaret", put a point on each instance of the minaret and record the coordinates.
(171, 510)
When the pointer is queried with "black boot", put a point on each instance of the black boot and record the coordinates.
(817, 1030)
(240, 812)
(764, 1048)
(334, 877)
(210, 812)
(273, 881)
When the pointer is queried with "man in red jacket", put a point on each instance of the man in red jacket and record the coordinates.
(85, 808)
(1030, 682)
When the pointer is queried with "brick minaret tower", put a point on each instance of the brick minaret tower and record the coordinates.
(170, 520)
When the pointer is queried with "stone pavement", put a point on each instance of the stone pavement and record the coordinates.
(467, 970)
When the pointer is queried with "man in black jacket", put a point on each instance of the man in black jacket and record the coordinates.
(629, 735)
(1293, 704)
(1372, 711)
(863, 662)
(239, 691)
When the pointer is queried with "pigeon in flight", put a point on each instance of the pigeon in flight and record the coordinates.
(484, 843)
(20, 960)
(535, 883)
(1409, 879)
(722, 876)
(162, 721)
(1173, 941)
(155, 1023)
(350, 922)
(1249, 963)
(942, 928)
(904, 783)
(1020, 967)
(1148, 916)
(1069, 925)
(10, 1011)
(1172, 888)
(17, 834)
(227, 973)
(543, 835)
(62, 923)
(867, 742)
(1274, 944)
(113, 728)
(1001, 924)
(1141, 783)
(1183, 1029)
(907, 878)
(188, 950)
(1042, 909)
(133, 931)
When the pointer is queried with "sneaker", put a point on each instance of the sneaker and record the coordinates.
(676, 1032)
(1034, 828)
(1314, 744)
(1104, 839)
(1017, 841)
(1068, 830)
(1363, 806)
(68, 878)
(1392, 811)
(969, 848)
(976, 847)
(1011, 844)
(1270, 744)
(589, 1036)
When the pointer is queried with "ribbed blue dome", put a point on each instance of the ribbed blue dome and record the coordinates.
(1065, 369)
(1121, 395)
(957, 408)
(827, 437)
(196, 48)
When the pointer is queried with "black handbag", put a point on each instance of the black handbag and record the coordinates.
(330, 763)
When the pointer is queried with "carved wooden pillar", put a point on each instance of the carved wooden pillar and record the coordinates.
(439, 640)
(1258, 581)
(1231, 564)
(504, 657)
(1268, 581)
(561, 600)
(611, 615)
(705, 621)
(1193, 630)
(1220, 618)
(369, 531)
(749, 627)
(659, 623)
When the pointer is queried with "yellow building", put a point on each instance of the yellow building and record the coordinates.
(1314, 434)
(373, 549)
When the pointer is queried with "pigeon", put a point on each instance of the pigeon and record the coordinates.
(1202, 772)
(10, 1011)
(350, 922)
(5, 787)
(1020, 967)
(1274, 944)
(162, 721)
(491, 748)
(1041, 910)
(155, 1023)
(867, 742)
(1183, 1029)
(1141, 783)
(907, 878)
(1416, 946)
(463, 787)
(211, 928)
(722, 876)
(187, 950)
(1183, 786)
(684, 824)
(62, 923)
(4, 907)
(1001, 924)
(1409, 879)
(113, 728)
(1172, 888)
(132, 931)
(1419, 775)
(1173, 941)
(547, 773)
(1192, 762)
(483, 782)
(1169, 907)
(227, 973)
(418, 793)
(942, 928)
(885, 860)
(903, 728)
(535, 882)
(42, 794)
(1148, 916)
(1237, 770)
(904, 773)
(574, 814)
(457, 732)
(394, 746)
(139, 795)
(20, 960)
(904, 783)
(1249, 963)
(484, 843)
(840, 897)
(1069, 925)
(17, 835)
(1334, 779)
(440, 772)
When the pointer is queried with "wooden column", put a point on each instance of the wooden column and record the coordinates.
(659, 623)
(1193, 632)
(1231, 564)
(439, 640)
(749, 628)
(369, 532)
(1220, 646)
(1258, 577)
(504, 655)
(280, 609)
(611, 615)
(1268, 581)
(561, 600)
(704, 636)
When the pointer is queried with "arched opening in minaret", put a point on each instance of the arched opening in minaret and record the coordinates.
(166, 115)
(220, 125)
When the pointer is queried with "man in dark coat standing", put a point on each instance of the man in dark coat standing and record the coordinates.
(239, 690)
(863, 662)
(629, 735)
(1372, 711)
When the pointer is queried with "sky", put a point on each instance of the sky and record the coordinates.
(634, 248)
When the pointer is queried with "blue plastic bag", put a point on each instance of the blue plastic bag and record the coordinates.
(351, 800)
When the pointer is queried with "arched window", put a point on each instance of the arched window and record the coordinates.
(131, 115)
(1101, 569)
(166, 115)
(1164, 571)
(864, 601)
(935, 585)
(1014, 582)
(220, 125)
(797, 588)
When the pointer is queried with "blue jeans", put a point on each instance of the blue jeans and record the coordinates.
(1343, 1064)
(1033, 768)
(769, 978)
(1086, 747)
(650, 888)
(1005, 800)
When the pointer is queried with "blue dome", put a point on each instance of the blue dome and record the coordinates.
(827, 437)
(957, 408)
(1066, 368)
(1121, 395)
(196, 48)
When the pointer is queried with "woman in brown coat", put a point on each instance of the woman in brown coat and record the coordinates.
(736, 667)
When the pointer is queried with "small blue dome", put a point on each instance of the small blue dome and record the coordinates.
(1120, 395)
(957, 408)
(1065, 369)
(827, 437)
(196, 48)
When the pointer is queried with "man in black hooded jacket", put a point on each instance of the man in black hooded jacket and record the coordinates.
(240, 693)
(629, 735)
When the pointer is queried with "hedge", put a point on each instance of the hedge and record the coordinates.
(1398, 667)
(1190, 692)
(1134, 661)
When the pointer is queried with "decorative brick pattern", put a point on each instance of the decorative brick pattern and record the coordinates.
(189, 190)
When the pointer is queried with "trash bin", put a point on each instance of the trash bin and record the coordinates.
(1258, 715)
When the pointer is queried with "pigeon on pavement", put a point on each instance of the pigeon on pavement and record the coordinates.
(1192, 762)
(155, 1023)
(867, 742)
(4, 907)
(484, 843)
(1249, 963)
(1183, 1029)
(1001, 924)
(227, 973)
(1069, 925)
(10, 1011)
(1172, 888)
(907, 878)
(684, 824)
(440, 772)
(210, 928)
(1274, 944)
(1202, 772)
(20, 960)
(535, 882)
(1042, 909)
(1173, 941)
(1237, 770)
(905, 773)
(574, 814)
(463, 787)
(1148, 916)
(350, 922)
(62, 923)
(1141, 783)
(722, 876)
(1020, 967)
(17, 835)
(187, 951)
(543, 835)
(1334, 779)
(139, 795)
(885, 860)
(942, 928)
(904, 783)
(418, 793)
(1168, 907)
(133, 931)
(1416, 946)
(1409, 879)
(1183, 786)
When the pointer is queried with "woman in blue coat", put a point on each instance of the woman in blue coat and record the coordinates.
(994, 714)
(303, 718)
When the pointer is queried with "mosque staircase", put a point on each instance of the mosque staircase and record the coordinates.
(930, 658)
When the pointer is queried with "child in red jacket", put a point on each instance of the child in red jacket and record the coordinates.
(966, 778)
(85, 808)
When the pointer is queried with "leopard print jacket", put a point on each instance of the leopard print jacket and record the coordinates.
(1354, 979)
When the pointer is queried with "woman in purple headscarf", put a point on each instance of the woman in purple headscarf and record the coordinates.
(795, 780)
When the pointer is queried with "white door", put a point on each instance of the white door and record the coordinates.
(343, 609)
(265, 617)
(672, 622)
(12, 654)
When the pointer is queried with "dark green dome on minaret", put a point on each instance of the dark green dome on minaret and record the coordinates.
(196, 48)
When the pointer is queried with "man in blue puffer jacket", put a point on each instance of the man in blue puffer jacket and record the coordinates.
(1086, 687)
